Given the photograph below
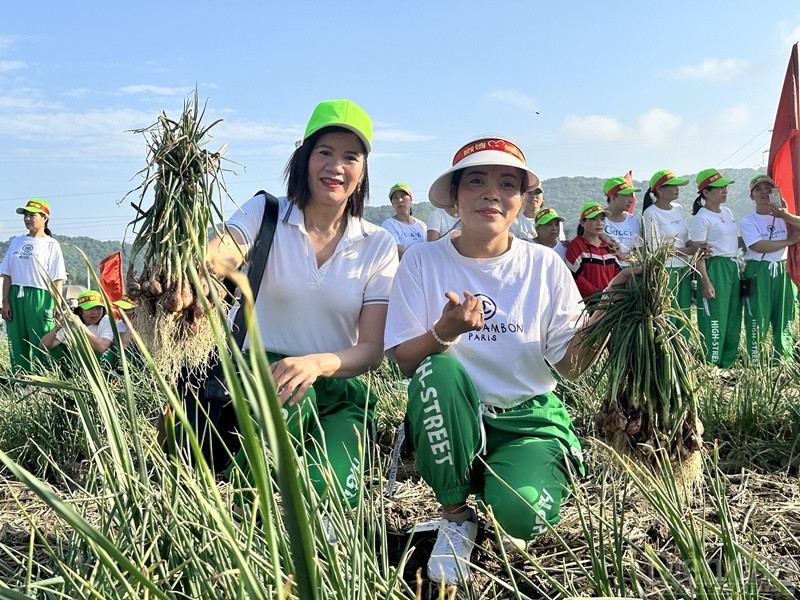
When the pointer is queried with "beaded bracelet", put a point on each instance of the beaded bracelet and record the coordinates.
(439, 340)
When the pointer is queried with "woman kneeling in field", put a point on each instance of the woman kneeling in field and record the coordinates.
(482, 413)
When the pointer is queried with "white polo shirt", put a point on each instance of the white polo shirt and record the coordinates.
(304, 309)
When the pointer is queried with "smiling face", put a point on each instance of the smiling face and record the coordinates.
(534, 199)
(335, 168)
(489, 199)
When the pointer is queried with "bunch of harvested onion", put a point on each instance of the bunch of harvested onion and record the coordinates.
(172, 235)
(650, 402)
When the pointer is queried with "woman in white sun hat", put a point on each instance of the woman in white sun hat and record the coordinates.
(476, 321)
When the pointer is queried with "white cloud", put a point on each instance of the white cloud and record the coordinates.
(712, 69)
(790, 34)
(595, 127)
(11, 65)
(733, 118)
(513, 97)
(155, 90)
(657, 124)
(7, 41)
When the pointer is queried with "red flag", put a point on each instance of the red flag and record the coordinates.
(784, 151)
(629, 179)
(111, 276)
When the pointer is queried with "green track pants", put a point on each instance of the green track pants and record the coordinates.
(772, 303)
(516, 460)
(332, 439)
(31, 318)
(719, 319)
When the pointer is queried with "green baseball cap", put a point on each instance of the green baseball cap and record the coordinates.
(759, 178)
(711, 178)
(544, 215)
(619, 185)
(666, 177)
(35, 205)
(90, 299)
(341, 113)
(400, 187)
(591, 209)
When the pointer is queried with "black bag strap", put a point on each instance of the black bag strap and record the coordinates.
(258, 261)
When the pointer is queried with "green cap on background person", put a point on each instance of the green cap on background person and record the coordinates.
(89, 299)
(619, 185)
(666, 177)
(759, 178)
(341, 113)
(397, 187)
(35, 205)
(481, 152)
(543, 216)
(711, 178)
(591, 209)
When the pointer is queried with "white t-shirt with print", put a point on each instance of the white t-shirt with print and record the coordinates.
(718, 230)
(532, 310)
(31, 260)
(667, 225)
(755, 228)
(441, 222)
(304, 309)
(628, 232)
(406, 234)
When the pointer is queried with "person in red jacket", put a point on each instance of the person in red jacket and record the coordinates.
(592, 261)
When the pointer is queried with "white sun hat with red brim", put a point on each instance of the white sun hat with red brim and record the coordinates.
(482, 152)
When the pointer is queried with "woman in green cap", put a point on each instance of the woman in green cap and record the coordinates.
(773, 299)
(664, 223)
(321, 306)
(719, 306)
(405, 229)
(622, 226)
(91, 318)
(590, 258)
(32, 267)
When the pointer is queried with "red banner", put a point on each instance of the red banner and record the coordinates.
(784, 151)
(111, 276)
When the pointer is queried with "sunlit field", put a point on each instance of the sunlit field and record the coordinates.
(92, 506)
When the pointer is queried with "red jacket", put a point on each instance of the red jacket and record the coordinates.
(592, 266)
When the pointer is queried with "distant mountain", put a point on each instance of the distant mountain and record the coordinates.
(567, 195)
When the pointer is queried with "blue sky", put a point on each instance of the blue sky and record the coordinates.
(591, 89)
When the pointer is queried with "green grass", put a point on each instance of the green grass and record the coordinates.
(145, 524)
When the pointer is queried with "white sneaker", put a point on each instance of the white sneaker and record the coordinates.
(512, 544)
(449, 561)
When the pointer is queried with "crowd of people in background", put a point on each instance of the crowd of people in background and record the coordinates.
(481, 308)
(731, 282)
